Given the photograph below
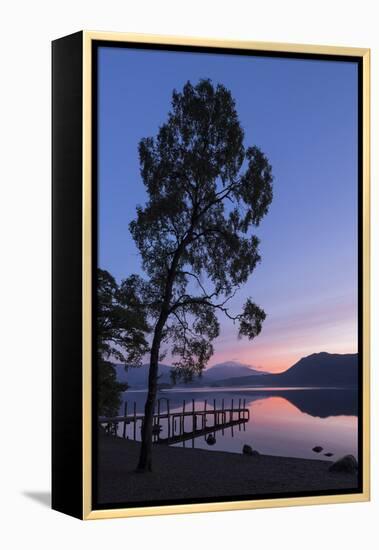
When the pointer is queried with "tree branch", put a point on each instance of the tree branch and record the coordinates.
(197, 279)
(205, 300)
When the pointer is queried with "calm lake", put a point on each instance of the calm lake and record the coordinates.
(282, 421)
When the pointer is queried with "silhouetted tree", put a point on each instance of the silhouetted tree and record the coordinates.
(121, 329)
(206, 192)
(109, 389)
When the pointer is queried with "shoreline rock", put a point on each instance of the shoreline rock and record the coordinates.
(346, 465)
(249, 451)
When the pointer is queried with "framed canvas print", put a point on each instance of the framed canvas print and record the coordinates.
(210, 275)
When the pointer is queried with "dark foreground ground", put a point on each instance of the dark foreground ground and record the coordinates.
(194, 473)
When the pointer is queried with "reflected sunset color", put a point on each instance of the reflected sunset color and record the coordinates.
(282, 426)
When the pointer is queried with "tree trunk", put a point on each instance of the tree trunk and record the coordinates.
(145, 458)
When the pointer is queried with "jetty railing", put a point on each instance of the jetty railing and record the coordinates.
(183, 423)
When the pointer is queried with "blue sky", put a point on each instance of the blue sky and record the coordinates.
(303, 115)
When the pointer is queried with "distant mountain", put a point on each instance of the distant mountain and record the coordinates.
(137, 377)
(228, 369)
(319, 369)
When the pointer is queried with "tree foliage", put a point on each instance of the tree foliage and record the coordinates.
(121, 320)
(121, 330)
(206, 193)
(109, 389)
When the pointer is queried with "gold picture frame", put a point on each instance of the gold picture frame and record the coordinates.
(83, 46)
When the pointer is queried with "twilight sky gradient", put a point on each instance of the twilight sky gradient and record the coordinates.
(303, 115)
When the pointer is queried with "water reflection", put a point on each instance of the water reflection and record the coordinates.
(282, 421)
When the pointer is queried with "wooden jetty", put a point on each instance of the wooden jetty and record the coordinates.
(182, 424)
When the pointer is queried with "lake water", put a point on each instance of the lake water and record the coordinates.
(283, 421)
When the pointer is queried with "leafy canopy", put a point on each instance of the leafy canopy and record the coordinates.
(121, 329)
(121, 320)
(206, 193)
(109, 389)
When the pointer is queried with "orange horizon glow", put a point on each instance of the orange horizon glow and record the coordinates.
(279, 360)
(286, 340)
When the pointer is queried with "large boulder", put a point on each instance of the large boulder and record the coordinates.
(249, 451)
(347, 464)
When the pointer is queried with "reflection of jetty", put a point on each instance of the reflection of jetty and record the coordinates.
(182, 424)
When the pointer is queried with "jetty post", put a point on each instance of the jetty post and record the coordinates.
(204, 419)
(194, 418)
(134, 420)
(125, 418)
(159, 411)
(168, 420)
(183, 417)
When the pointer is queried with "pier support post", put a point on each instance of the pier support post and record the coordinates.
(134, 420)
(183, 416)
(168, 420)
(125, 418)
